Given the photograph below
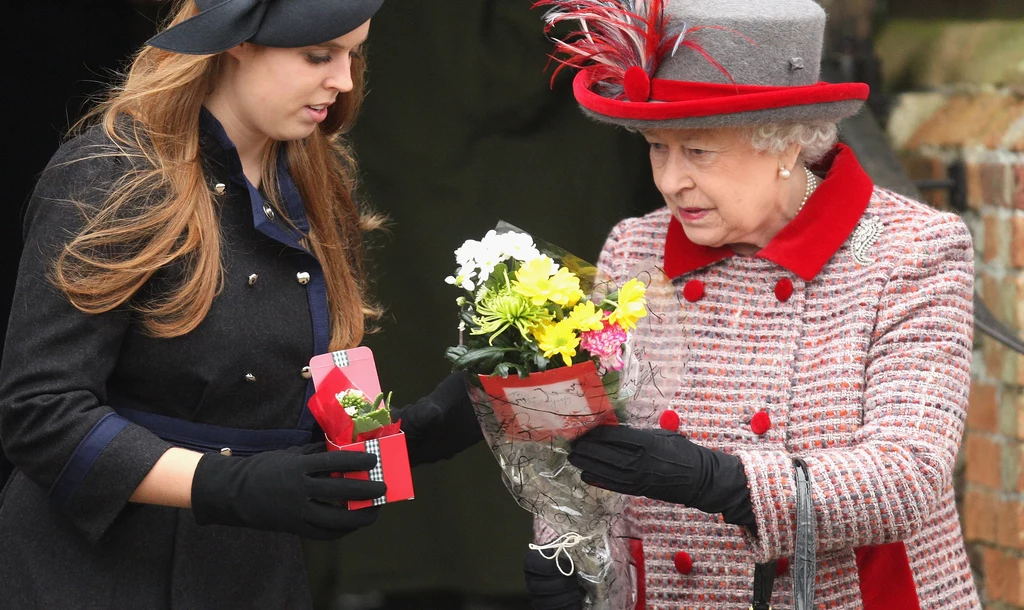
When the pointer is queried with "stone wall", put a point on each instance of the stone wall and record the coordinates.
(985, 129)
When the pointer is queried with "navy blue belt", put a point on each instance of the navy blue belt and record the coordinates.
(207, 438)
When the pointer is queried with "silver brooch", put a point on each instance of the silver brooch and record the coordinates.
(865, 236)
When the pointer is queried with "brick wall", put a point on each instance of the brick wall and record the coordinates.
(985, 129)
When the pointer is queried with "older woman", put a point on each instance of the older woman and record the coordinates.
(828, 323)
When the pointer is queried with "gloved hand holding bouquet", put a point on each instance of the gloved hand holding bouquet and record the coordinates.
(554, 356)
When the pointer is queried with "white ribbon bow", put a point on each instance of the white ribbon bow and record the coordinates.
(561, 546)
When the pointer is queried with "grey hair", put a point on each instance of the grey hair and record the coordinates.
(815, 139)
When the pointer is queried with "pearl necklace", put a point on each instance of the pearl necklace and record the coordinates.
(812, 183)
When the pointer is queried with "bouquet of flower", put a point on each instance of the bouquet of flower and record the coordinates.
(551, 364)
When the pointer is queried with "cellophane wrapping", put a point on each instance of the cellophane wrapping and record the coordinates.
(530, 425)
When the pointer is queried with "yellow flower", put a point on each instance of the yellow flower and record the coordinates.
(538, 280)
(586, 316)
(631, 305)
(558, 338)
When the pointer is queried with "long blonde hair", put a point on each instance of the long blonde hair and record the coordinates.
(161, 210)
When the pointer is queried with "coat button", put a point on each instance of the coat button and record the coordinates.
(693, 291)
(761, 422)
(253, 278)
(250, 377)
(669, 420)
(784, 289)
(302, 277)
(781, 565)
(306, 373)
(226, 451)
(683, 562)
(219, 188)
(269, 211)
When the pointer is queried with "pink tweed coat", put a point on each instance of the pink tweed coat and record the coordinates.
(845, 342)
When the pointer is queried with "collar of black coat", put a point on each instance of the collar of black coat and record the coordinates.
(221, 151)
(810, 240)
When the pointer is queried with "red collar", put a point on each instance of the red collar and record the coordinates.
(808, 242)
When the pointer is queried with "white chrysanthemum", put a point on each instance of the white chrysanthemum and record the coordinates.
(467, 253)
(519, 246)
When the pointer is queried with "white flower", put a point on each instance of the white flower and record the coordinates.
(467, 253)
(487, 264)
(477, 259)
(351, 392)
(520, 246)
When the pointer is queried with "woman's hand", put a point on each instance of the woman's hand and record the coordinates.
(547, 587)
(666, 466)
(285, 491)
(441, 424)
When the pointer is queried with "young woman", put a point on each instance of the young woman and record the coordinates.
(185, 256)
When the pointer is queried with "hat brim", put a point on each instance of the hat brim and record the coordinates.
(293, 24)
(724, 106)
(213, 30)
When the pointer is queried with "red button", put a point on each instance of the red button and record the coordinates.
(693, 291)
(781, 565)
(637, 84)
(784, 289)
(669, 420)
(761, 422)
(683, 561)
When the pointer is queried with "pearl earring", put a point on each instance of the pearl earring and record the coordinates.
(784, 173)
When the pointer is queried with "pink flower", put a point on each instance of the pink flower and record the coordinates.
(606, 344)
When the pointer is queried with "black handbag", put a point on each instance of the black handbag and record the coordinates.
(805, 560)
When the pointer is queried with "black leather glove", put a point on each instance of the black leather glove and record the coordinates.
(441, 424)
(290, 490)
(665, 466)
(549, 589)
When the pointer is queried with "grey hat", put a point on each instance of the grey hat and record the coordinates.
(649, 64)
(222, 24)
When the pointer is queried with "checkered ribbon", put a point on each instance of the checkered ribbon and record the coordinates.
(340, 358)
(377, 473)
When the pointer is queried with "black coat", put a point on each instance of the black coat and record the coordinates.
(73, 385)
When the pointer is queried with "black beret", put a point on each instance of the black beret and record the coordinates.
(222, 24)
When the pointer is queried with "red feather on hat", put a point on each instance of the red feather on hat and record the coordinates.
(616, 37)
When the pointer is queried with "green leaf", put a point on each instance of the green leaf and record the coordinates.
(506, 368)
(496, 279)
(455, 352)
(484, 358)
(466, 315)
(380, 398)
(370, 421)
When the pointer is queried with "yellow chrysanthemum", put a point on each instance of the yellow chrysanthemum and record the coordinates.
(559, 338)
(538, 280)
(631, 305)
(586, 316)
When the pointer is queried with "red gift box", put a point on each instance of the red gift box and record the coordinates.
(562, 403)
(387, 442)
(392, 468)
